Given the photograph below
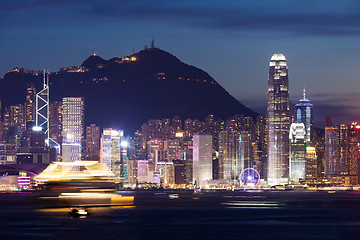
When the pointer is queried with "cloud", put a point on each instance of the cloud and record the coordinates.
(15, 5)
(297, 17)
(342, 108)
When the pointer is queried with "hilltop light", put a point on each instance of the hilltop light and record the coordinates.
(133, 59)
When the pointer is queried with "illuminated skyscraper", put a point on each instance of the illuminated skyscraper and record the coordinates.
(344, 144)
(30, 105)
(278, 121)
(297, 152)
(229, 155)
(92, 148)
(202, 158)
(171, 147)
(311, 163)
(110, 151)
(304, 114)
(235, 153)
(142, 169)
(73, 119)
(55, 119)
(73, 127)
(42, 109)
(17, 117)
(92, 138)
(332, 152)
(354, 153)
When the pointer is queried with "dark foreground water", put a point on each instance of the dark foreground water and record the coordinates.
(214, 215)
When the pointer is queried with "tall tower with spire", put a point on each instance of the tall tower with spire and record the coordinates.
(304, 114)
(42, 113)
(278, 121)
(42, 108)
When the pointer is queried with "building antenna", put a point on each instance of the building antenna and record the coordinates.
(152, 44)
(44, 78)
(304, 92)
(93, 51)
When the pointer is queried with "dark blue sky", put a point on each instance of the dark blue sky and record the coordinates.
(231, 40)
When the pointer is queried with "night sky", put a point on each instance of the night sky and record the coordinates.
(231, 40)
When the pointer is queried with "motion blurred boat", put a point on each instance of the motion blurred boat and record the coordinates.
(80, 184)
(79, 213)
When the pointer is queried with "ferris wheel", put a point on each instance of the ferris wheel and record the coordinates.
(249, 178)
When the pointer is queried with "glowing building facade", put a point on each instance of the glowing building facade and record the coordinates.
(311, 163)
(332, 150)
(297, 152)
(229, 155)
(142, 175)
(30, 105)
(235, 153)
(353, 154)
(73, 119)
(55, 119)
(278, 121)
(73, 127)
(92, 138)
(110, 151)
(304, 114)
(202, 158)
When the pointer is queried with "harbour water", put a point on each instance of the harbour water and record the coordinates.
(185, 215)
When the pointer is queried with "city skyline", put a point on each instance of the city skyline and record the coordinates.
(183, 119)
(239, 34)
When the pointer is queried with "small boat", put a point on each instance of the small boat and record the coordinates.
(197, 190)
(79, 213)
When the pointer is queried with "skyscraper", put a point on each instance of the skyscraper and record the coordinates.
(311, 163)
(354, 153)
(110, 151)
(297, 152)
(202, 158)
(278, 121)
(30, 106)
(92, 138)
(235, 153)
(17, 117)
(73, 128)
(73, 119)
(332, 152)
(304, 114)
(55, 119)
(92, 148)
(230, 165)
(42, 109)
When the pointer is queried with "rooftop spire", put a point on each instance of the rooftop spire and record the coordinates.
(304, 92)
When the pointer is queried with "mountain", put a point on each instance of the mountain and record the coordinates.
(126, 92)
